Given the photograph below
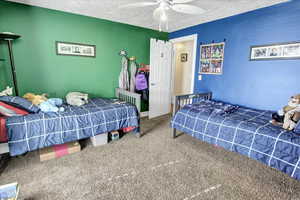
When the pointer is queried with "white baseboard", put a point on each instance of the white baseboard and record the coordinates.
(144, 114)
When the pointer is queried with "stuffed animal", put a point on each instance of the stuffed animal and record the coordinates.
(291, 119)
(289, 115)
(35, 99)
(52, 105)
(77, 98)
(46, 105)
(7, 92)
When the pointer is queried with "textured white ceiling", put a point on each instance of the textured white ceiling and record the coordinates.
(109, 9)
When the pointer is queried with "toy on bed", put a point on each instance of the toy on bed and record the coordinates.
(288, 116)
(76, 98)
(7, 92)
(46, 105)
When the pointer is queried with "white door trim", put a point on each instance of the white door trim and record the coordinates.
(194, 38)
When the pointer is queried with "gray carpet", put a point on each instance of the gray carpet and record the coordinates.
(152, 167)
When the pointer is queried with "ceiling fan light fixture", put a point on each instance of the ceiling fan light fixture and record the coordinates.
(160, 14)
(163, 16)
(163, 20)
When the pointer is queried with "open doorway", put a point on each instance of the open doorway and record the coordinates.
(184, 63)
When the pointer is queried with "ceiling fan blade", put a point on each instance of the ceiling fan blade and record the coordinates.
(188, 9)
(139, 4)
(182, 1)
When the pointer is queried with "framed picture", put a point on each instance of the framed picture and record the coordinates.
(211, 58)
(75, 49)
(183, 57)
(277, 51)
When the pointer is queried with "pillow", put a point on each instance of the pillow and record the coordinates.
(20, 103)
(297, 128)
(9, 111)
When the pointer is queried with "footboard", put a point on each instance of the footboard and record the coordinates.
(133, 98)
(129, 97)
(183, 100)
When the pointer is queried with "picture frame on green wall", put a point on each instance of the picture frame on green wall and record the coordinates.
(75, 49)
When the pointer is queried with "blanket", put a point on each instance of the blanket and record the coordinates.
(246, 131)
(36, 131)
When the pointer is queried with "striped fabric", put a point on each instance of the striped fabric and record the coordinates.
(246, 131)
(35, 131)
(20, 103)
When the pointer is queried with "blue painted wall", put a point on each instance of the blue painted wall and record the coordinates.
(256, 84)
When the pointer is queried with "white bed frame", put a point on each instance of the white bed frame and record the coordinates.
(129, 97)
(121, 94)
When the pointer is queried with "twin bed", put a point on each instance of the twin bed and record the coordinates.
(238, 129)
(35, 131)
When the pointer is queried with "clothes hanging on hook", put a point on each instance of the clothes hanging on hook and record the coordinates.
(142, 84)
(124, 76)
(144, 67)
(133, 70)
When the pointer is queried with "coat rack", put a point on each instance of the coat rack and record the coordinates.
(9, 37)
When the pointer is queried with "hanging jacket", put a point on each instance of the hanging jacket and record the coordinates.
(124, 76)
(133, 69)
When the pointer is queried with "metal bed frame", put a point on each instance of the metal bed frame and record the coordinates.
(183, 100)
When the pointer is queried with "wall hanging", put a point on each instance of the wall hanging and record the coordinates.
(278, 51)
(211, 58)
(75, 49)
(184, 57)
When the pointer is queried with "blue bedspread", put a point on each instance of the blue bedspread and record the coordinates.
(35, 131)
(246, 131)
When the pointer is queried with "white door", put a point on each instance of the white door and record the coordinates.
(160, 78)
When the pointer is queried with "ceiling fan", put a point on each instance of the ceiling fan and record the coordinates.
(161, 13)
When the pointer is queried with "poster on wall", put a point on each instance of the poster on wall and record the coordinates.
(277, 51)
(183, 57)
(211, 58)
(75, 49)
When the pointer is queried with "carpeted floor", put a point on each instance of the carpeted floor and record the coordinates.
(152, 167)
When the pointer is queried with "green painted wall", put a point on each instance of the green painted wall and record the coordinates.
(40, 70)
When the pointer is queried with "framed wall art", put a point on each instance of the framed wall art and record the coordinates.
(75, 49)
(211, 58)
(183, 57)
(276, 51)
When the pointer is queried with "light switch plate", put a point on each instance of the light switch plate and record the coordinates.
(199, 77)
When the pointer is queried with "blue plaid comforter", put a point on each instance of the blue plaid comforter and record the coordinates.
(35, 131)
(242, 130)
